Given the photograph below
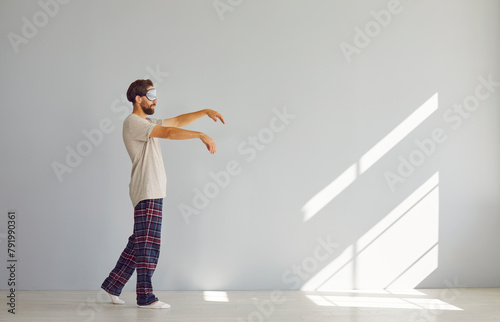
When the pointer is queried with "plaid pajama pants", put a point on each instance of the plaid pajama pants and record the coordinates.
(141, 253)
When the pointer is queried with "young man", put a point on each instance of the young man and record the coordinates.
(147, 189)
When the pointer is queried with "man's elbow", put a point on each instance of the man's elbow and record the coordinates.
(166, 132)
(161, 132)
(172, 122)
(177, 122)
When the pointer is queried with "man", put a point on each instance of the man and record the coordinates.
(148, 188)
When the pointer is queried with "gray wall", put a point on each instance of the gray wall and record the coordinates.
(383, 172)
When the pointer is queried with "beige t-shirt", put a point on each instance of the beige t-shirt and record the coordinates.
(148, 179)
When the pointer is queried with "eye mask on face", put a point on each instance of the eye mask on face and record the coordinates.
(151, 94)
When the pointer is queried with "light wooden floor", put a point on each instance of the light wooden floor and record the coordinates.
(454, 305)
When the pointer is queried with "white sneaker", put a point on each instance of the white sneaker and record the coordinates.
(156, 305)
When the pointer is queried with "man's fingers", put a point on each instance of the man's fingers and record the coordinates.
(216, 115)
(211, 147)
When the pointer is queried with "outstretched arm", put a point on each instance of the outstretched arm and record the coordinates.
(174, 133)
(185, 119)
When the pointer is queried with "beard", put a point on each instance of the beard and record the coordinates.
(149, 109)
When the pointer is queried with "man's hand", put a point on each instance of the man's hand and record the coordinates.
(209, 142)
(214, 115)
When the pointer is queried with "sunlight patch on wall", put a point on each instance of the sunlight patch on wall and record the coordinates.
(398, 252)
(352, 173)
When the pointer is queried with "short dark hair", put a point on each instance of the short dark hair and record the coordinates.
(139, 87)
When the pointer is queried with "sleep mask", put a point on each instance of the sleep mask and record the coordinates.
(151, 94)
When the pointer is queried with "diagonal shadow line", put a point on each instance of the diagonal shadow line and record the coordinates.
(332, 190)
(399, 218)
(378, 236)
(413, 264)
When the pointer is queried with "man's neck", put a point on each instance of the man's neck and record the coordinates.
(138, 111)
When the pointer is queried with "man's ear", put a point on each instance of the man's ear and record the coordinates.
(137, 99)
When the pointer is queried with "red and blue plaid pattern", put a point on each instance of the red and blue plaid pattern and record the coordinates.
(141, 253)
